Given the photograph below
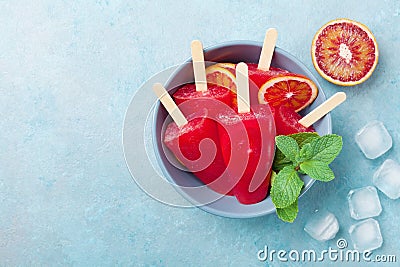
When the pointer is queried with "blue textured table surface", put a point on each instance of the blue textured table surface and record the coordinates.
(68, 70)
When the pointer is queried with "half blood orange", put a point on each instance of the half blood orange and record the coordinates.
(291, 90)
(344, 52)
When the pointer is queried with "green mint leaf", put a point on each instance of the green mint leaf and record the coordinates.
(306, 152)
(326, 148)
(317, 170)
(286, 187)
(289, 213)
(304, 138)
(288, 146)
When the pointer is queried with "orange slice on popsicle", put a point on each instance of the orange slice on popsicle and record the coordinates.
(222, 74)
(292, 90)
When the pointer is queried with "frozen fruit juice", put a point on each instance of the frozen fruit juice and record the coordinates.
(256, 145)
(185, 142)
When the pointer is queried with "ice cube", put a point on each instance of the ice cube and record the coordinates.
(373, 139)
(387, 178)
(366, 235)
(322, 226)
(364, 203)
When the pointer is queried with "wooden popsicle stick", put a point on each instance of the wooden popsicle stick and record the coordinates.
(267, 49)
(169, 104)
(242, 87)
(323, 109)
(199, 68)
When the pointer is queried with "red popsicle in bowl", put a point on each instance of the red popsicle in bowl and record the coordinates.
(256, 146)
(184, 137)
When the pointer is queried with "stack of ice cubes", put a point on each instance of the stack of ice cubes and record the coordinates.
(364, 203)
(374, 141)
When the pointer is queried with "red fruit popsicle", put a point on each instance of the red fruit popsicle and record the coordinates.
(288, 121)
(255, 145)
(195, 143)
(184, 142)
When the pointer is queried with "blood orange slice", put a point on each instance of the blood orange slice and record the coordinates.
(292, 91)
(222, 74)
(344, 52)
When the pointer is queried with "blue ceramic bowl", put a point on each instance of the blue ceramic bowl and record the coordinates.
(228, 206)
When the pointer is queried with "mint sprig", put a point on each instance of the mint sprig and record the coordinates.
(281, 160)
(304, 153)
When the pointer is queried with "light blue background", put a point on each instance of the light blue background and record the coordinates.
(67, 72)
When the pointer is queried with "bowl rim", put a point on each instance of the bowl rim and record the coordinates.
(157, 107)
